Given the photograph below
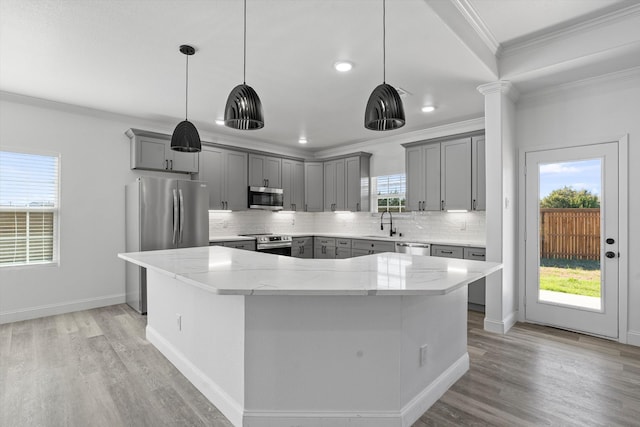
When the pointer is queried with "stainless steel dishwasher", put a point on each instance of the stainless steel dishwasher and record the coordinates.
(413, 248)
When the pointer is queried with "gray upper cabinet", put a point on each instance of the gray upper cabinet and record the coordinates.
(446, 174)
(478, 174)
(313, 186)
(293, 184)
(265, 171)
(334, 185)
(225, 171)
(423, 177)
(152, 151)
(455, 174)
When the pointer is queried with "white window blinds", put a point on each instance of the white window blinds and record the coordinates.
(390, 192)
(28, 208)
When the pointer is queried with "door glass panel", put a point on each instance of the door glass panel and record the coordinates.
(569, 231)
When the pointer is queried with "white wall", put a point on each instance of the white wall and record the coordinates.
(600, 110)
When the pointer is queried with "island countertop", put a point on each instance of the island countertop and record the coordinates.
(228, 271)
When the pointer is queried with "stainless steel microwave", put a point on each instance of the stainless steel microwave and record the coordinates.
(266, 198)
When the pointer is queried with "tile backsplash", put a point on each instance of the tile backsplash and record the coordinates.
(464, 227)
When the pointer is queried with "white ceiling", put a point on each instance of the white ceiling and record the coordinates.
(122, 56)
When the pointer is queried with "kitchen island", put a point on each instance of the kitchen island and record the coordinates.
(282, 341)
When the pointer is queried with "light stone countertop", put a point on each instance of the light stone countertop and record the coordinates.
(229, 271)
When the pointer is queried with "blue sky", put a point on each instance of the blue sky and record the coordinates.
(580, 175)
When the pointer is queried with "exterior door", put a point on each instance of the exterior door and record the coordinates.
(571, 271)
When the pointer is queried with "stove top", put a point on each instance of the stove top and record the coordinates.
(266, 238)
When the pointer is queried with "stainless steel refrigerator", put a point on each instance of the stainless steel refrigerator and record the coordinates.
(162, 214)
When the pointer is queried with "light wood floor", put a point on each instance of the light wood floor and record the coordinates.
(94, 368)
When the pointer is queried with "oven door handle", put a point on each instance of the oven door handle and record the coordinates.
(277, 246)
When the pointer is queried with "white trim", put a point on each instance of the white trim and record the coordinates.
(542, 39)
(623, 238)
(61, 308)
(633, 338)
(216, 395)
(616, 76)
(413, 410)
(473, 18)
(503, 326)
(409, 414)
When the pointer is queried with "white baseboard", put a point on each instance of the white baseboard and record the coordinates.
(405, 418)
(633, 338)
(501, 327)
(61, 308)
(221, 400)
(430, 395)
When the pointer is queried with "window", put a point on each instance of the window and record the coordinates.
(28, 208)
(390, 193)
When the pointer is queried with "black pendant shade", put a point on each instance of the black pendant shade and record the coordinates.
(244, 109)
(185, 136)
(384, 109)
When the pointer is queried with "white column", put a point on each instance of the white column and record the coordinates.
(501, 215)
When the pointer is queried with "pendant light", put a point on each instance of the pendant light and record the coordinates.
(244, 109)
(384, 108)
(185, 136)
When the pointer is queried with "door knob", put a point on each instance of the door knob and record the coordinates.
(610, 254)
(610, 241)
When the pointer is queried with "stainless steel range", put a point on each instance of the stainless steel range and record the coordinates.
(277, 244)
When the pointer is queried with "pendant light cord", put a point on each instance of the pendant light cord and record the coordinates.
(186, 92)
(384, 42)
(244, 66)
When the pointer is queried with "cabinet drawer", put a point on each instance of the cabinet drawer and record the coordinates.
(302, 241)
(478, 254)
(447, 251)
(325, 241)
(248, 246)
(343, 243)
(374, 245)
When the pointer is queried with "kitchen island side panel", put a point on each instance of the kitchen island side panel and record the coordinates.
(202, 334)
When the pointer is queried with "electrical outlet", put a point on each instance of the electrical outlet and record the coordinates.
(179, 321)
(423, 355)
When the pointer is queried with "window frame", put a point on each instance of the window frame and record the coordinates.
(55, 210)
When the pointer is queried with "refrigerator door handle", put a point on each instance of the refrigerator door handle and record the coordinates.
(181, 214)
(175, 216)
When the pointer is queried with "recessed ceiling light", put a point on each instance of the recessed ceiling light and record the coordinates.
(302, 140)
(428, 108)
(343, 66)
(220, 122)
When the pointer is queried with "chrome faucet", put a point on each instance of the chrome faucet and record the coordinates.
(392, 230)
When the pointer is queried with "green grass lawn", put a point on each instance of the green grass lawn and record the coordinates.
(571, 277)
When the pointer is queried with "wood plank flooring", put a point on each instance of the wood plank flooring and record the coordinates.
(95, 368)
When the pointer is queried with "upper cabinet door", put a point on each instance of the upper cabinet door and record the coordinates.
(313, 186)
(237, 196)
(478, 174)
(341, 186)
(149, 154)
(293, 184)
(456, 174)
(152, 151)
(329, 186)
(432, 177)
(415, 178)
(182, 162)
(212, 171)
(353, 184)
(298, 186)
(265, 171)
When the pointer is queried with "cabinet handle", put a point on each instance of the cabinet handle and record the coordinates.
(442, 205)
(336, 251)
(447, 252)
(166, 164)
(358, 207)
(477, 255)
(306, 207)
(171, 164)
(474, 204)
(267, 182)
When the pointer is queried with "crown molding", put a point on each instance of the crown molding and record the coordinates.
(473, 18)
(617, 76)
(541, 39)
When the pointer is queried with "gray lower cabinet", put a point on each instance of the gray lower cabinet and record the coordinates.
(313, 186)
(343, 248)
(293, 185)
(324, 247)
(248, 245)
(152, 151)
(368, 247)
(477, 289)
(302, 247)
(225, 172)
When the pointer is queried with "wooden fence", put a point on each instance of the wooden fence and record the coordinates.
(570, 233)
